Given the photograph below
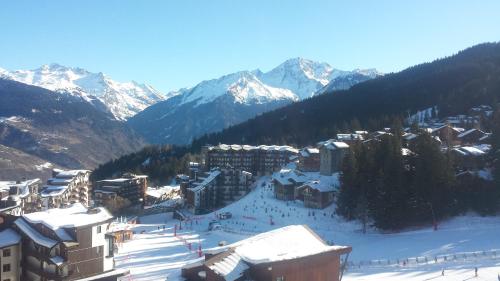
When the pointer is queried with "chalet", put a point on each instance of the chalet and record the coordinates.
(285, 183)
(308, 160)
(470, 157)
(10, 258)
(471, 136)
(351, 138)
(19, 197)
(129, 186)
(332, 154)
(66, 244)
(66, 187)
(291, 253)
(448, 134)
(317, 194)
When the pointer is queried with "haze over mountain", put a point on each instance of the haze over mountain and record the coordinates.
(123, 100)
(218, 103)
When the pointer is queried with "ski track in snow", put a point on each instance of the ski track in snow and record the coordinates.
(157, 253)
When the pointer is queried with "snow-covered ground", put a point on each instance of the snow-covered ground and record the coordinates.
(157, 253)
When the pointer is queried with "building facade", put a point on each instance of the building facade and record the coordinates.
(309, 160)
(258, 160)
(291, 253)
(129, 186)
(332, 155)
(10, 255)
(20, 197)
(65, 244)
(216, 188)
(66, 187)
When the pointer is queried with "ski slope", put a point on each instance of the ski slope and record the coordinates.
(157, 253)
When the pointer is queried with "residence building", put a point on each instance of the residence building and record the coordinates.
(332, 154)
(291, 253)
(66, 187)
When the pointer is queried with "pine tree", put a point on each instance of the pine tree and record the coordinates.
(349, 189)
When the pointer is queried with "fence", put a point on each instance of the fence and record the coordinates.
(416, 261)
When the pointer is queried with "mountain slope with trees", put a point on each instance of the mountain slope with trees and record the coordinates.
(60, 129)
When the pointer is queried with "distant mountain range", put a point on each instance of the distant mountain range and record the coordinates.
(452, 85)
(216, 104)
(41, 129)
(122, 100)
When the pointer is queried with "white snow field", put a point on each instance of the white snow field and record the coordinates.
(157, 254)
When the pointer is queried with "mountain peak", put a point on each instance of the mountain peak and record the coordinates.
(121, 99)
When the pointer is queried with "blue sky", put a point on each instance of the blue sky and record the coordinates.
(173, 44)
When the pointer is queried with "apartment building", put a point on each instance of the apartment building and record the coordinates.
(258, 160)
(20, 197)
(130, 186)
(65, 244)
(66, 187)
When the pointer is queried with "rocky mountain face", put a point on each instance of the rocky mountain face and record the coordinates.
(41, 129)
(216, 104)
(122, 100)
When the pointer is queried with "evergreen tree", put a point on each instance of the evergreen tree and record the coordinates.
(433, 180)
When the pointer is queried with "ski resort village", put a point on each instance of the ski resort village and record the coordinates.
(246, 212)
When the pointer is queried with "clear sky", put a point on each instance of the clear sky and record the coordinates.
(171, 44)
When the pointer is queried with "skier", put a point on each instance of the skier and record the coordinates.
(475, 271)
(442, 272)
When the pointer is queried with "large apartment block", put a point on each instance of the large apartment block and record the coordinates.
(19, 197)
(66, 187)
(64, 244)
(129, 186)
(216, 188)
(259, 160)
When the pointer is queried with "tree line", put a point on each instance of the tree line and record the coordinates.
(382, 186)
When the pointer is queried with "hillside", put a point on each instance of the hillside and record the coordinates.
(50, 129)
(454, 84)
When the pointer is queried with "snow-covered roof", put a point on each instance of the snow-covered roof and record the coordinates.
(9, 237)
(286, 176)
(76, 215)
(57, 260)
(237, 147)
(69, 173)
(34, 234)
(469, 150)
(23, 187)
(53, 190)
(333, 144)
(159, 192)
(230, 267)
(321, 186)
(306, 152)
(346, 137)
(205, 180)
(286, 243)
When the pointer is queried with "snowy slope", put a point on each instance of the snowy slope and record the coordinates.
(244, 86)
(157, 254)
(123, 100)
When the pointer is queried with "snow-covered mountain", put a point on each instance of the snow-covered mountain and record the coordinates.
(215, 104)
(123, 100)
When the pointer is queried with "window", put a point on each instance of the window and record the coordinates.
(99, 229)
(6, 253)
(6, 267)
